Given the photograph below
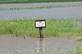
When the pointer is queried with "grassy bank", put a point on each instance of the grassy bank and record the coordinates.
(54, 27)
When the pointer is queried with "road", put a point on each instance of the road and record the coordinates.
(19, 45)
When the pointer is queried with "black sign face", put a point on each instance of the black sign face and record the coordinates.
(40, 23)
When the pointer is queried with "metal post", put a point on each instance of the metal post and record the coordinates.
(40, 24)
(40, 32)
(41, 42)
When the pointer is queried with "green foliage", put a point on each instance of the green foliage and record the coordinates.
(18, 27)
(31, 1)
(54, 27)
(76, 50)
(62, 51)
(79, 49)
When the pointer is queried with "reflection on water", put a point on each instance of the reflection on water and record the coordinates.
(41, 46)
(54, 46)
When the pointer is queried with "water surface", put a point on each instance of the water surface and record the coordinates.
(58, 12)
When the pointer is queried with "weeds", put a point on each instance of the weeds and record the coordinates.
(56, 27)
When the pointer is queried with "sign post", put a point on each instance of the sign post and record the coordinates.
(40, 24)
(40, 32)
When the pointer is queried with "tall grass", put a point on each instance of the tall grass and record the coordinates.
(18, 27)
(54, 27)
(63, 27)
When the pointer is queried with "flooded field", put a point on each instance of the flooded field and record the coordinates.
(46, 10)
(19, 45)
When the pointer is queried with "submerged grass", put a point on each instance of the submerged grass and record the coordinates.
(54, 27)
(76, 50)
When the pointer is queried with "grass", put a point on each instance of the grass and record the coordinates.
(54, 27)
(79, 49)
(34, 1)
(18, 27)
(64, 27)
(76, 50)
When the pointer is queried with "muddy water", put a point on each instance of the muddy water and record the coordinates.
(57, 12)
(19, 45)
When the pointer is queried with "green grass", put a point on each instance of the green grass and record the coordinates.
(18, 27)
(33, 1)
(66, 27)
(54, 27)
(76, 50)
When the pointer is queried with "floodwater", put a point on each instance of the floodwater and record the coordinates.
(57, 12)
(19, 45)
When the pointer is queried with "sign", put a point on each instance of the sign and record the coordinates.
(40, 23)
